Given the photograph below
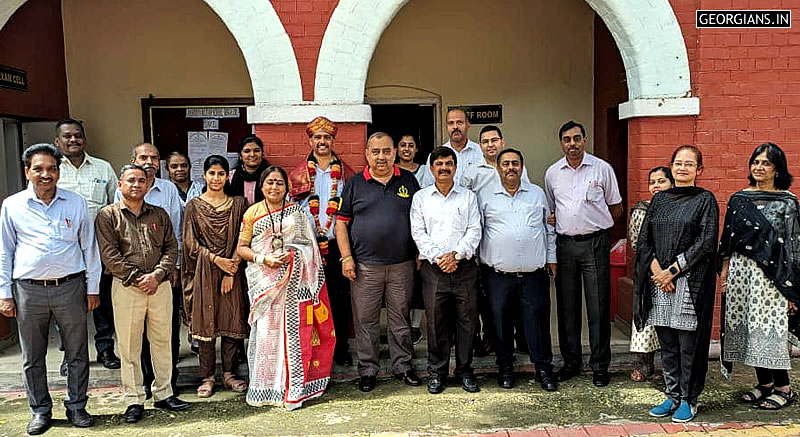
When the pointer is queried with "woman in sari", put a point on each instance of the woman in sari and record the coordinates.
(760, 274)
(215, 301)
(245, 175)
(292, 336)
(674, 282)
(644, 343)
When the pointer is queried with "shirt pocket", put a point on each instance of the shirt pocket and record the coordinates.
(68, 231)
(533, 216)
(98, 194)
(155, 235)
(595, 193)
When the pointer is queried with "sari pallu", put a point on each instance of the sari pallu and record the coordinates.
(292, 336)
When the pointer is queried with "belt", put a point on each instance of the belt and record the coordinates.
(54, 282)
(584, 237)
(515, 274)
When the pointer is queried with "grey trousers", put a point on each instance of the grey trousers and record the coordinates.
(683, 376)
(36, 307)
(373, 282)
(584, 268)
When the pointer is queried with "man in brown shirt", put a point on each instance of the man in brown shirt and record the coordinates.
(139, 248)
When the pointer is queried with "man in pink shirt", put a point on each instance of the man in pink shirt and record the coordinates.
(583, 191)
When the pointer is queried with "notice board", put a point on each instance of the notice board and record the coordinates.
(169, 124)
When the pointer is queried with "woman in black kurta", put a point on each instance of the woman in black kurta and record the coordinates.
(675, 282)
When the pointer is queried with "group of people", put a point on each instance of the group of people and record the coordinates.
(286, 259)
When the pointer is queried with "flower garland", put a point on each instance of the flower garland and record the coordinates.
(333, 203)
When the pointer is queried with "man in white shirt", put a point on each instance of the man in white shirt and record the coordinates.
(466, 150)
(518, 250)
(445, 225)
(583, 191)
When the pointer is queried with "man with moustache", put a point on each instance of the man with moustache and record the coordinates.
(467, 151)
(49, 269)
(317, 184)
(142, 264)
(583, 191)
(446, 225)
(95, 180)
(180, 170)
(518, 248)
(378, 257)
(163, 194)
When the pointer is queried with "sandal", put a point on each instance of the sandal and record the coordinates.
(756, 394)
(230, 381)
(637, 376)
(777, 400)
(206, 388)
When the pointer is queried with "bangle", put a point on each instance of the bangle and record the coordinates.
(258, 259)
(346, 258)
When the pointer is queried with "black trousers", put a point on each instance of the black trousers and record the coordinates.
(531, 293)
(147, 362)
(451, 306)
(485, 321)
(684, 376)
(339, 295)
(584, 265)
(103, 317)
(778, 377)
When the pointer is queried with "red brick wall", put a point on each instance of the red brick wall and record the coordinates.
(305, 22)
(287, 144)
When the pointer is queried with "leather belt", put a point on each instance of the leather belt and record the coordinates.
(516, 274)
(54, 282)
(584, 237)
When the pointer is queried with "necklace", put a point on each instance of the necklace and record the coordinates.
(277, 236)
(333, 203)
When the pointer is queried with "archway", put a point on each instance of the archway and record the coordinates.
(262, 39)
(656, 63)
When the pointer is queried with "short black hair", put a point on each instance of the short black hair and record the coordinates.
(783, 179)
(443, 152)
(667, 173)
(250, 139)
(127, 167)
(510, 150)
(41, 149)
(569, 125)
(178, 153)
(490, 128)
(458, 108)
(222, 162)
(68, 120)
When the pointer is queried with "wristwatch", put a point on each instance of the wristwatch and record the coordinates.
(457, 256)
(673, 270)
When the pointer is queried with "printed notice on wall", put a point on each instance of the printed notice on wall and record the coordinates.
(217, 143)
(198, 146)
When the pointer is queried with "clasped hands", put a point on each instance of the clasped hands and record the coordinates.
(662, 277)
(274, 259)
(448, 262)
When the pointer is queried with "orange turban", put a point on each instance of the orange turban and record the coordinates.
(321, 124)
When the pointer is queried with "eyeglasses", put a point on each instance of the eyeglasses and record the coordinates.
(687, 164)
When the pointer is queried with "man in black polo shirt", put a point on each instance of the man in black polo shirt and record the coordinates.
(373, 231)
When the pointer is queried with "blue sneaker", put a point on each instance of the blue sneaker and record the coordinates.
(664, 409)
(684, 413)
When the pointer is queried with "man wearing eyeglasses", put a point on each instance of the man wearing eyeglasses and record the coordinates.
(583, 191)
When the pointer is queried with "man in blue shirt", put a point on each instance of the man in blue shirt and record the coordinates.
(49, 254)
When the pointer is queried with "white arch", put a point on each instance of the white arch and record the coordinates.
(647, 33)
(260, 35)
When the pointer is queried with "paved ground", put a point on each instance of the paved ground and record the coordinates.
(578, 408)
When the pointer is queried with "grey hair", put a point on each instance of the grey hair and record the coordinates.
(38, 149)
(133, 151)
(377, 136)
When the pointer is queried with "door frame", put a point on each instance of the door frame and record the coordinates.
(434, 101)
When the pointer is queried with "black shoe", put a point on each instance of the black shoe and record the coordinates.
(435, 384)
(469, 383)
(416, 335)
(367, 383)
(39, 424)
(108, 359)
(600, 378)
(568, 372)
(546, 379)
(148, 392)
(172, 403)
(409, 377)
(505, 380)
(80, 418)
(133, 413)
(63, 368)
